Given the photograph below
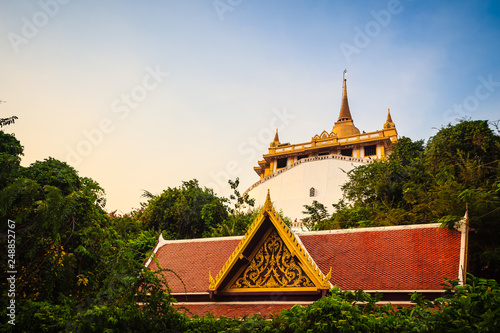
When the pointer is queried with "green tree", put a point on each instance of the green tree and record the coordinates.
(240, 201)
(317, 213)
(459, 166)
(8, 120)
(185, 212)
(10, 158)
(55, 173)
(238, 220)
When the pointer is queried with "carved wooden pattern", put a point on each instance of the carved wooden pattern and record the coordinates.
(273, 267)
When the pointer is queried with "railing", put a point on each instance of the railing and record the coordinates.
(328, 141)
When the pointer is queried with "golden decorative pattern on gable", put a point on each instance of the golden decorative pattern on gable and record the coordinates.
(273, 266)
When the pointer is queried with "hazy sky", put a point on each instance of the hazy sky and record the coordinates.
(145, 95)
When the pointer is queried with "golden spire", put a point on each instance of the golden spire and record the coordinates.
(345, 126)
(276, 137)
(389, 118)
(276, 140)
(345, 113)
(389, 123)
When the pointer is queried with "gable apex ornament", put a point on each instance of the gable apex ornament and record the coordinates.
(268, 205)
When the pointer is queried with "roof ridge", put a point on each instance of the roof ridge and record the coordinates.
(371, 229)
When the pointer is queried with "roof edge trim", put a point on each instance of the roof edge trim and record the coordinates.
(371, 229)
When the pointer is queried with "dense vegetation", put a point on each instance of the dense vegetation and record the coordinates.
(79, 268)
(459, 167)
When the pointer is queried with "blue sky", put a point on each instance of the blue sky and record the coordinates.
(145, 95)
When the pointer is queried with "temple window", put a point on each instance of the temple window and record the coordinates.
(371, 150)
(312, 192)
(324, 153)
(301, 157)
(346, 152)
(281, 163)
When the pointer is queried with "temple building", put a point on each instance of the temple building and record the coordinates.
(272, 268)
(297, 174)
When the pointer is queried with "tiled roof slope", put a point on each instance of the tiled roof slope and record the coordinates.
(383, 259)
(234, 309)
(390, 259)
(192, 260)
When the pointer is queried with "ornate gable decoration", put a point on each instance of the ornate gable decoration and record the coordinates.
(273, 266)
(324, 135)
(269, 258)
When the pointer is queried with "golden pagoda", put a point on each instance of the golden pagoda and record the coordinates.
(345, 139)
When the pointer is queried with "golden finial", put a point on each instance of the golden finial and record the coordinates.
(389, 118)
(389, 123)
(276, 140)
(268, 205)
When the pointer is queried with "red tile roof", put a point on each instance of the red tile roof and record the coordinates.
(192, 260)
(402, 258)
(397, 259)
(234, 309)
(389, 259)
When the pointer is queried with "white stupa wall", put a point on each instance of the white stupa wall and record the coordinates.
(290, 189)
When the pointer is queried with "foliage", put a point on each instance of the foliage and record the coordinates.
(474, 307)
(80, 268)
(10, 152)
(238, 221)
(118, 312)
(235, 224)
(127, 225)
(317, 212)
(185, 212)
(8, 120)
(10, 145)
(54, 173)
(417, 184)
(75, 271)
(241, 201)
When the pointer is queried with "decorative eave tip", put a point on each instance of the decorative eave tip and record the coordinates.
(326, 280)
(211, 281)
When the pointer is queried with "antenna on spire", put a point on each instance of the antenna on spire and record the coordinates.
(344, 80)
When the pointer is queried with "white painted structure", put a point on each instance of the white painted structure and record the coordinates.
(315, 178)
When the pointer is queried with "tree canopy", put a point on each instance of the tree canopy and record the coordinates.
(185, 212)
(80, 268)
(459, 167)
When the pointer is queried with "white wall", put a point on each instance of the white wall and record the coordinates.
(290, 189)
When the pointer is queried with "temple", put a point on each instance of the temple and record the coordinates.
(297, 174)
(272, 268)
